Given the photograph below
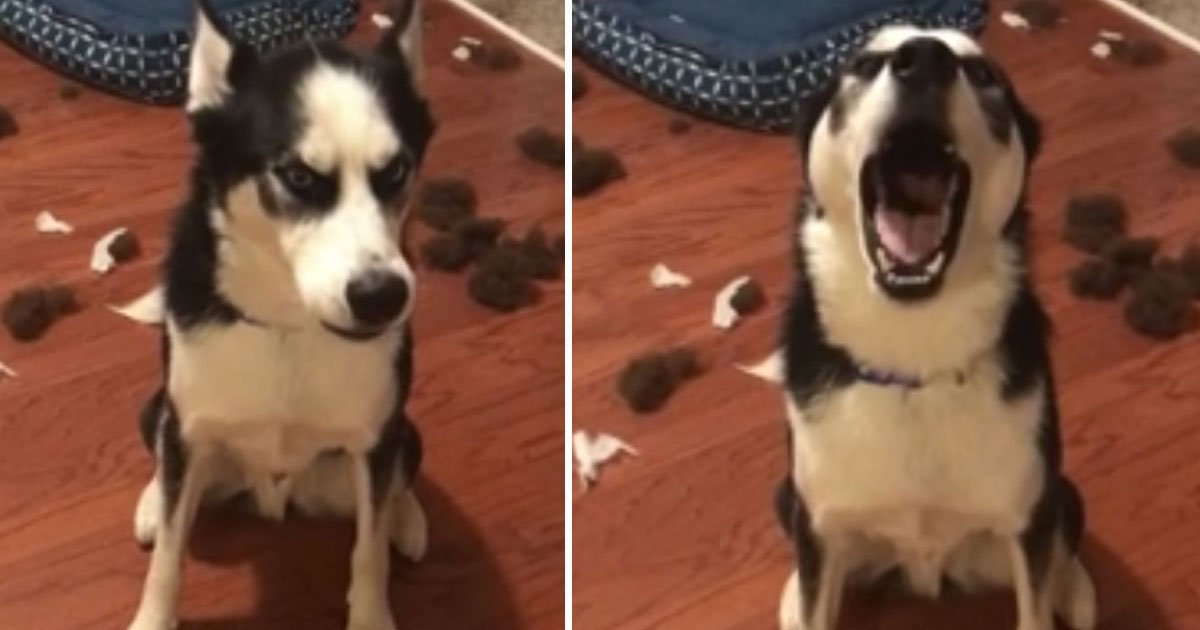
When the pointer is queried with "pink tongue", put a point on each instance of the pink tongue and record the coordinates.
(911, 238)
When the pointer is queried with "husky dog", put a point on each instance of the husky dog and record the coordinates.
(923, 430)
(287, 355)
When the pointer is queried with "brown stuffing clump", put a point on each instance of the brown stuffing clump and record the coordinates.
(1138, 52)
(544, 263)
(541, 145)
(648, 381)
(445, 202)
(559, 247)
(1093, 221)
(1041, 14)
(502, 280)
(1132, 256)
(748, 298)
(8, 123)
(1185, 146)
(124, 247)
(29, 312)
(1189, 266)
(496, 56)
(479, 234)
(679, 126)
(446, 252)
(579, 86)
(1160, 306)
(1098, 279)
(466, 242)
(69, 91)
(594, 169)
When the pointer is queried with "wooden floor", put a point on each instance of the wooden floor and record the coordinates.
(489, 390)
(683, 537)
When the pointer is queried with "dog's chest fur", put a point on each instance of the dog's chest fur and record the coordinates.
(275, 399)
(921, 467)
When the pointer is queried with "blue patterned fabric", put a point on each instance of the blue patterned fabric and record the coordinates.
(744, 62)
(139, 48)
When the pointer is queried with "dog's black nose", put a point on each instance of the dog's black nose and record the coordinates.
(377, 296)
(924, 62)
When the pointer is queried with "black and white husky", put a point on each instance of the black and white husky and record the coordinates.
(922, 419)
(287, 355)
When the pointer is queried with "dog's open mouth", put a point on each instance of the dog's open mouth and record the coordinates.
(914, 190)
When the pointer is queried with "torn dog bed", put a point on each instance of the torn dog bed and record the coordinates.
(746, 63)
(139, 48)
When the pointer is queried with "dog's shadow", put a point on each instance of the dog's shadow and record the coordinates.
(1125, 603)
(302, 569)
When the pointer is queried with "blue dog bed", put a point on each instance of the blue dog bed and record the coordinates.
(744, 62)
(139, 48)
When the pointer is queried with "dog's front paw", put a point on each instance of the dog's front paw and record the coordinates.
(789, 604)
(148, 619)
(410, 528)
(1077, 603)
(148, 514)
(375, 617)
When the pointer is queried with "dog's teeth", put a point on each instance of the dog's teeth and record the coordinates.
(935, 265)
(884, 259)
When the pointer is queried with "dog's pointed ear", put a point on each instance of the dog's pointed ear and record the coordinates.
(211, 60)
(403, 38)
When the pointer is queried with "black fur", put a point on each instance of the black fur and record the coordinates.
(172, 456)
(399, 442)
(793, 517)
(813, 365)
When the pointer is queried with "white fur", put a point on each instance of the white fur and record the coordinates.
(891, 37)
(412, 39)
(211, 54)
(277, 398)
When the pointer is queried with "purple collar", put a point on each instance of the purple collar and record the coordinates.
(885, 378)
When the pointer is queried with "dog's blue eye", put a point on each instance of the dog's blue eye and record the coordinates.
(390, 180)
(397, 170)
(296, 176)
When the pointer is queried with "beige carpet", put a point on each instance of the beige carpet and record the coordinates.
(541, 20)
(1182, 14)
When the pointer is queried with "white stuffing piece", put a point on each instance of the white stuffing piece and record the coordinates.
(1112, 36)
(47, 223)
(1012, 19)
(593, 452)
(724, 316)
(382, 21)
(7, 371)
(1101, 50)
(663, 277)
(465, 48)
(770, 368)
(102, 260)
(147, 309)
